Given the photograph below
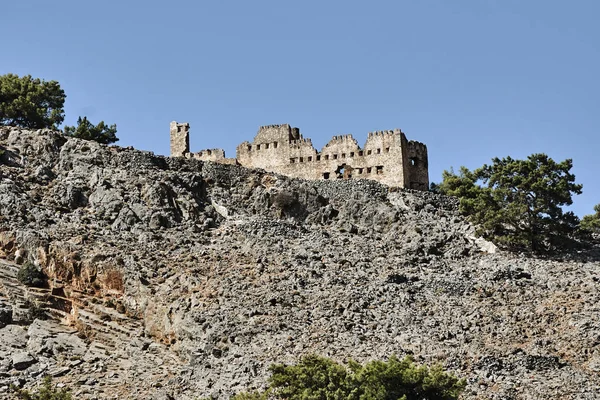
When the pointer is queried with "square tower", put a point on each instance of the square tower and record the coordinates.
(180, 139)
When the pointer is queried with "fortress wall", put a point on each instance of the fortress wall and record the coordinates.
(342, 158)
(263, 155)
(417, 165)
(387, 156)
(214, 155)
(276, 133)
(269, 148)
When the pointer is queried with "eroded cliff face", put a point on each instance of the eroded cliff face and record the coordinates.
(173, 278)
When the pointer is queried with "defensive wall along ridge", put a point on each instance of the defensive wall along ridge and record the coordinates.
(387, 156)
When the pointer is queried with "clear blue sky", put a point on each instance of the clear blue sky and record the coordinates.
(473, 79)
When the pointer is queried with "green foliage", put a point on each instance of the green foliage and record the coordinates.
(591, 223)
(100, 133)
(31, 103)
(35, 310)
(518, 203)
(46, 392)
(316, 378)
(30, 275)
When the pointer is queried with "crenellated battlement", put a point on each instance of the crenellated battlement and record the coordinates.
(387, 156)
(301, 141)
(388, 133)
(276, 126)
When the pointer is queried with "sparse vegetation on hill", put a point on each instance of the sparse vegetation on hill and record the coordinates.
(100, 133)
(591, 223)
(31, 275)
(317, 377)
(45, 392)
(31, 102)
(518, 203)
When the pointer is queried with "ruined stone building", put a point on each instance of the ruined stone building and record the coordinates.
(387, 156)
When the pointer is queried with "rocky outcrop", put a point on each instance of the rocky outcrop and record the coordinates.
(174, 277)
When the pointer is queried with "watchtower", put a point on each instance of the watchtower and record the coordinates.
(180, 138)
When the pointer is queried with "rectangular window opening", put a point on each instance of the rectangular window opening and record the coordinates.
(351, 154)
(319, 158)
(249, 147)
(258, 147)
(360, 153)
(309, 159)
(343, 155)
(378, 151)
(292, 160)
(387, 149)
(368, 170)
(360, 171)
(326, 175)
(327, 157)
(275, 145)
(379, 169)
(301, 159)
(368, 152)
(335, 156)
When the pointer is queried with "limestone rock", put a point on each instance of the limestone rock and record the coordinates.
(22, 360)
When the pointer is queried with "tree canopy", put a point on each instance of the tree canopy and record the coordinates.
(316, 378)
(100, 133)
(31, 103)
(518, 203)
(591, 223)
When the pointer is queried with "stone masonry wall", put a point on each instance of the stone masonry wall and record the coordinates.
(387, 157)
(180, 139)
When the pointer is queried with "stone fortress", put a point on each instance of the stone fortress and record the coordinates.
(387, 156)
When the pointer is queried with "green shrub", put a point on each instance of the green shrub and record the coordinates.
(35, 310)
(100, 133)
(30, 275)
(316, 378)
(46, 392)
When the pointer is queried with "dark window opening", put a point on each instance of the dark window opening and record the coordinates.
(258, 147)
(318, 158)
(387, 149)
(326, 175)
(351, 154)
(309, 159)
(292, 160)
(413, 162)
(327, 157)
(344, 172)
(369, 170)
(335, 156)
(267, 146)
(275, 145)
(360, 171)
(343, 155)
(360, 153)
(379, 169)
(301, 159)
(378, 151)
(368, 152)
(249, 147)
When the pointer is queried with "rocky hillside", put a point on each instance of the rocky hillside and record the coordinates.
(176, 279)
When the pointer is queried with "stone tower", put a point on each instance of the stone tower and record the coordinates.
(180, 138)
